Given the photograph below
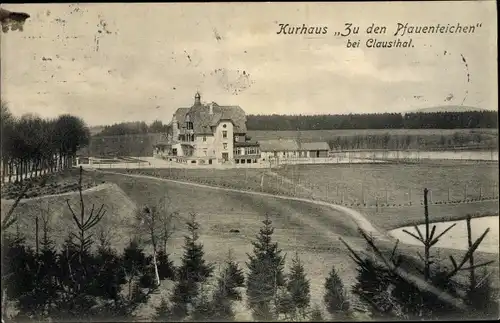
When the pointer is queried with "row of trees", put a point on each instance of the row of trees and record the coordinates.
(423, 141)
(32, 145)
(134, 128)
(416, 120)
(87, 279)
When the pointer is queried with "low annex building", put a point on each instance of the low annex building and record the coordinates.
(209, 134)
(292, 149)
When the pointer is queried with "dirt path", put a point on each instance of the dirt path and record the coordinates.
(356, 216)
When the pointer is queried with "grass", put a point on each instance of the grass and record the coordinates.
(396, 185)
(119, 212)
(245, 179)
(375, 178)
(311, 230)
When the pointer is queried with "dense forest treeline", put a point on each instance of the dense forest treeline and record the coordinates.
(32, 145)
(134, 128)
(414, 142)
(415, 120)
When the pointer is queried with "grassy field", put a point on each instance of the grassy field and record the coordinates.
(396, 185)
(373, 182)
(119, 212)
(242, 178)
(311, 230)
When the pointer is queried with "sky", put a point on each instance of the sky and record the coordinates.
(111, 63)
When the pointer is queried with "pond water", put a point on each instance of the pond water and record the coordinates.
(415, 155)
(456, 238)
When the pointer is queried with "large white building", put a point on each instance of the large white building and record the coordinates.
(209, 134)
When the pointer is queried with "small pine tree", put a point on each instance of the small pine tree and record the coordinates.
(166, 267)
(192, 272)
(483, 298)
(203, 307)
(226, 291)
(265, 275)
(316, 314)
(335, 297)
(110, 276)
(162, 313)
(193, 266)
(298, 289)
(231, 278)
(182, 298)
(139, 278)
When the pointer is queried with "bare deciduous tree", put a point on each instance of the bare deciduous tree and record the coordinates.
(158, 223)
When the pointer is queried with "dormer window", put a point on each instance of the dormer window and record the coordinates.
(189, 125)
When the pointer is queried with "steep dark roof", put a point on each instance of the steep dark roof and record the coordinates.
(202, 120)
(279, 145)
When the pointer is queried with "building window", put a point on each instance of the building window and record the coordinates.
(237, 161)
(224, 126)
(224, 134)
(189, 125)
(284, 154)
(236, 138)
(204, 138)
(255, 161)
(174, 151)
(249, 161)
(224, 146)
(242, 161)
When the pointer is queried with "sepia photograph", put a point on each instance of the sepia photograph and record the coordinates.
(249, 161)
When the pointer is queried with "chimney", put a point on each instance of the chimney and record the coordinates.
(211, 108)
(197, 98)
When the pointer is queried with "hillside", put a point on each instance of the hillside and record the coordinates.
(119, 210)
(311, 230)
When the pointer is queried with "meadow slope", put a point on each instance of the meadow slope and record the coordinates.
(310, 230)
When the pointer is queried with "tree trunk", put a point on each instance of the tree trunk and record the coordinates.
(157, 274)
(18, 170)
(4, 304)
(153, 242)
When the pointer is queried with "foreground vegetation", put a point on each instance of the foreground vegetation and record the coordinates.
(86, 278)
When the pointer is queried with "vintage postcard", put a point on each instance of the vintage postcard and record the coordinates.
(260, 161)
